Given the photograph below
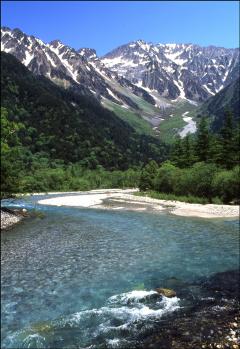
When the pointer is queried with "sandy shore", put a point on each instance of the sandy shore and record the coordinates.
(117, 199)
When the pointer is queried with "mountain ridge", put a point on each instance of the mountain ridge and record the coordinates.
(62, 64)
(141, 82)
(227, 100)
(67, 126)
(168, 62)
(172, 70)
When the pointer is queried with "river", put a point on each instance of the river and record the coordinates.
(85, 278)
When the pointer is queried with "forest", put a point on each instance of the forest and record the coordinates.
(57, 140)
(50, 134)
(202, 168)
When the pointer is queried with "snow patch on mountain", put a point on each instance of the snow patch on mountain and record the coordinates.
(191, 126)
(161, 67)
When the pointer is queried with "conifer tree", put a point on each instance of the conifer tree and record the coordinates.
(228, 143)
(177, 152)
(202, 141)
(148, 175)
(188, 157)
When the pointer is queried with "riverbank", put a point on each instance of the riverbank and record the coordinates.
(117, 199)
(9, 218)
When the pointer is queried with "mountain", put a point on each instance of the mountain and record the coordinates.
(175, 70)
(79, 70)
(226, 100)
(150, 86)
(65, 125)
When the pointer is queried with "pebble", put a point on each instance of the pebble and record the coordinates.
(8, 219)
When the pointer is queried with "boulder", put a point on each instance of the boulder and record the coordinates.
(167, 292)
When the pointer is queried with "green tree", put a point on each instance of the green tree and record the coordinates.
(166, 178)
(229, 146)
(148, 175)
(10, 155)
(177, 152)
(188, 157)
(198, 179)
(226, 185)
(202, 146)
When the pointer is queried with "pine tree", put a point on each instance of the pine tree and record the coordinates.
(177, 153)
(188, 157)
(148, 175)
(215, 149)
(228, 142)
(202, 146)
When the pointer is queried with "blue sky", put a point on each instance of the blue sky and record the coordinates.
(104, 25)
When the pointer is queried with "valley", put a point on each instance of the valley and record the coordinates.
(148, 85)
(120, 134)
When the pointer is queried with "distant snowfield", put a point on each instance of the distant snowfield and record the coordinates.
(191, 126)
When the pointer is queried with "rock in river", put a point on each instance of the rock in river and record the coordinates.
(167, 292)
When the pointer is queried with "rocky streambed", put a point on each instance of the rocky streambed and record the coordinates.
(211, 320)
(11, 217)
(77, 277)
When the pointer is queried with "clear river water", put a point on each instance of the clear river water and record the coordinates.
(85, 278)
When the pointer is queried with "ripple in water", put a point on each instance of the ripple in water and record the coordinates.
(77, 278)
(119, 323)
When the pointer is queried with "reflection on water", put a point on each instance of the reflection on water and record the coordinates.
(66, 266)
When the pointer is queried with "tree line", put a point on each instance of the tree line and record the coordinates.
(45, 125)
(205, 166)
(55, 139)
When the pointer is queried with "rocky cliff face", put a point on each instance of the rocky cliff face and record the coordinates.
(175, 70)
(81, 70)
(227, 100)
(144, 77)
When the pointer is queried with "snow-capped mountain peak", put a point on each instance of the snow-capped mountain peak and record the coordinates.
(153, 72)
(175, 70)
(81, 70)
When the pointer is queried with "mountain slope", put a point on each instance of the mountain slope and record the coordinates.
(175, 70)
(67, 126)
(150, 86)
(67, 67)
(226, 100)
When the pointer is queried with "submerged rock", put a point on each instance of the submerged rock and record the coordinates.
(42, 327)
(209, 321)
(167, 292)
(22, 212)
(225, 284)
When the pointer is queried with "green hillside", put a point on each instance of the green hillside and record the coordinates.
(67, 126)
(50, 136)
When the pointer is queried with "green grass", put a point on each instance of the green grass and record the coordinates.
(181, 107)
(132, 118)
(173, 124)
(146, 107)
(170, 127)
(190, 198)
(142, 104)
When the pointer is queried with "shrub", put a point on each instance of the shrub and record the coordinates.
(166, 177)
(148, 175)
(197, 180)
(226, 184)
